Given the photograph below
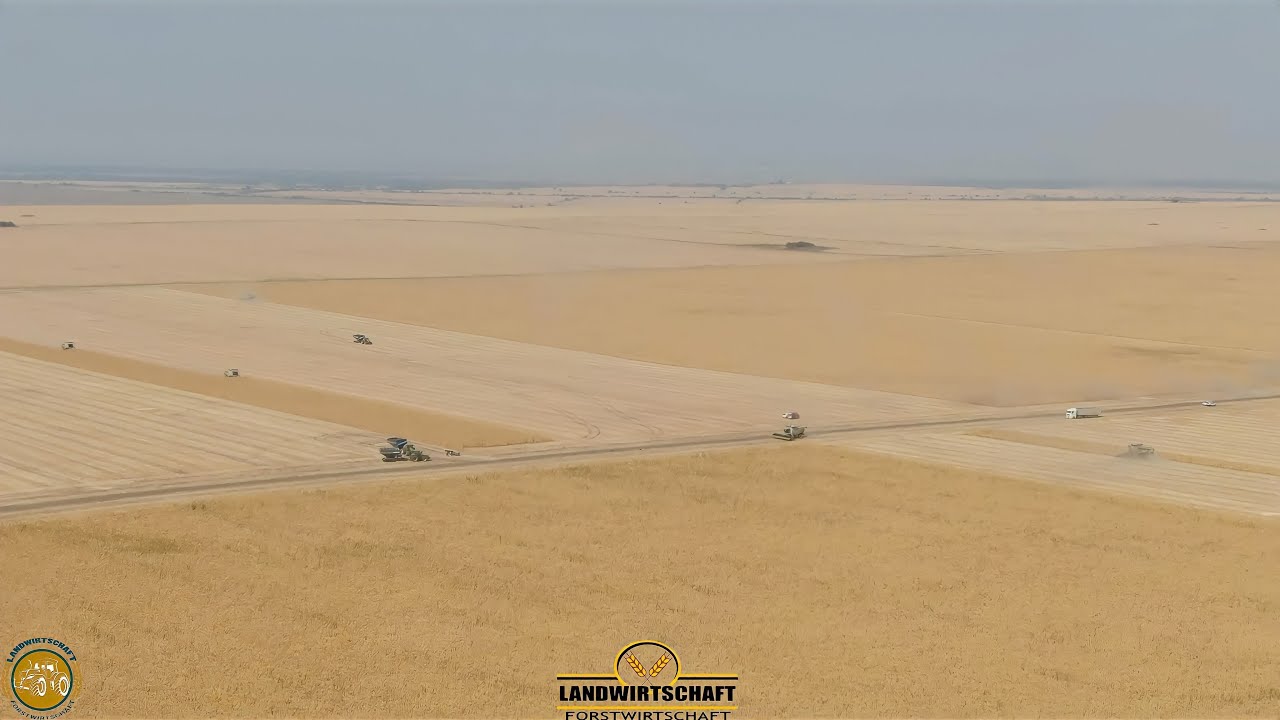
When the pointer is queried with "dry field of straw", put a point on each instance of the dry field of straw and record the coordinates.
(557, 394)
(63, 428)
(835, 584)
(1217, 457)
(376, 417)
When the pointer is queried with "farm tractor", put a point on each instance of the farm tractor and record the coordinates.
(41, 678)
(402, 449)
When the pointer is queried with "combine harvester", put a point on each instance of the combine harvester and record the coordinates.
(1139, 450)
(791, 432)
(402, 449)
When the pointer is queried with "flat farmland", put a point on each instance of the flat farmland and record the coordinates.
(562, 394)
(843, 584)
(63, 430)
(1001, 329)
(381, 417)
(1010, 567)
(1153, 477)
(63, 245)
(913, 228)
(1236, 436)
(112, 245)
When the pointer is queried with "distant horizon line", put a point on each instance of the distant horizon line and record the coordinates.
(140, 173)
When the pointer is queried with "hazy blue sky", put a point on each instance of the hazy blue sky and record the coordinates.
(709, 91)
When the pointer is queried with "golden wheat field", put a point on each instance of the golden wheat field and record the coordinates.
(997, 329)
(835, 584)
(941, 545)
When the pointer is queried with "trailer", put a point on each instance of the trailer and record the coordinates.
(1083, 412)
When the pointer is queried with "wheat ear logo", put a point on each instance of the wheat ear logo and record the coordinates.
(647, 682)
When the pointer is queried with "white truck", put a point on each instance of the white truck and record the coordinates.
(1083, 412)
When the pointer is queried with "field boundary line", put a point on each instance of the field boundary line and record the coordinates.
(55, 504)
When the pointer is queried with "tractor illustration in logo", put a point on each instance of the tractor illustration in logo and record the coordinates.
(41, 678)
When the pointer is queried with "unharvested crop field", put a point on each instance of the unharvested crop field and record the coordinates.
(842, 584)
(1001, 329)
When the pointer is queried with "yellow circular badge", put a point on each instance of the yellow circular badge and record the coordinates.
(42, 676)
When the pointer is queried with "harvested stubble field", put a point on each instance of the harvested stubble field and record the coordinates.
(835, 584)
(109, 245)
(73, 430)
(555, 393)
(1233, 437)
(999, 329)
(378, 417)
(1081, 464)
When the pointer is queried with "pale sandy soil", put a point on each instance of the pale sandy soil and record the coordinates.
(836, 585)
(382, 418)
(1003, 329)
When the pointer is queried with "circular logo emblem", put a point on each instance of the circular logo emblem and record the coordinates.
(42, 676)
(647, 663)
